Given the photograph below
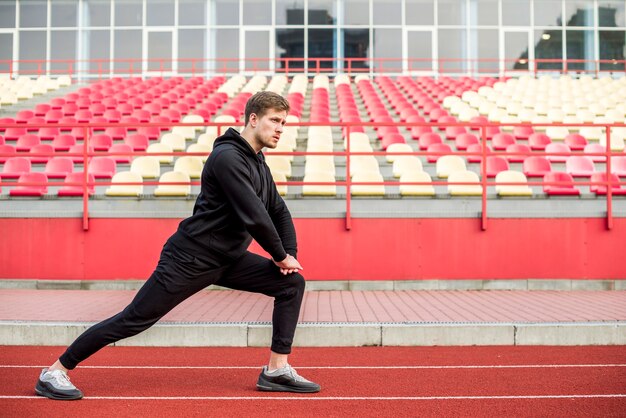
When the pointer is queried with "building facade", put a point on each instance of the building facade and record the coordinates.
(91, 38)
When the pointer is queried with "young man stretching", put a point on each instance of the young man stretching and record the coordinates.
(238, 201)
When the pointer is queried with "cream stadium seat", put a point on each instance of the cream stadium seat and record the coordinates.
(557, 133)
(591, 133)
(157, 148)
(146, 167)
(397, 147)
(406, 164)
(167, 189)
(357, 138)
(416, 189)
(207, 140)
(319, 163)
(117, 189)
(279, 177)
(200, 148)
(464, 189)
(194, 119)
(617, 141)
(283, 146)
(174, 140)
(511, 176)
(64, 81)
(192, 166)
(187, 132)
(448, 164)
(368, 190)
(319, 189)
(279, 164)
(226, 119)
(362, 163)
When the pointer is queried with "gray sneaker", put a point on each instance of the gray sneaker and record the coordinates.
(285, 379)
(56, 385)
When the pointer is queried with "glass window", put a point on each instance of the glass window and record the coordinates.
(159, 50)
(356, 43)
(420, 50)
(99, 51)
(321, 45)
(257, 50)
(516, 50)
(549, 49)
(160, 13)
(32, 47)
(516, 12)
(611, 13)
(33, 13)
(420, 12)
(191, 51)
(289, 44)
(226, 12)
(63, 50)
(64, 13)
(128, 13)
(612, 49)
(451, 50)
(257, 12)
(6, 52)
(191, 12)
(7, 15)
(322, 12)
(451, 12)
(485, 47)
(98, 13)
(388, 50)
(580, 46)
(387, 12)
(290, 12)
(127, 50)
(227, 50)
(357, 12)
(484, 12)
(549, 13)
(579, 13)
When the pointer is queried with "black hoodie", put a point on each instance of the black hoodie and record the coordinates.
(238, 201)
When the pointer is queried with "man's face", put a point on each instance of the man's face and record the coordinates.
(268, 128)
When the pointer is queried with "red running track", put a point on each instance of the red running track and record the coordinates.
(363, 381)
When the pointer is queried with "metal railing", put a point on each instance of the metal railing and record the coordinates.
(88, 129)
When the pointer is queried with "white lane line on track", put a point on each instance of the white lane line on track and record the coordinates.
(495, 366)
(331, 398)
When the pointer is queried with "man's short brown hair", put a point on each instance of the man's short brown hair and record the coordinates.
(262, 101)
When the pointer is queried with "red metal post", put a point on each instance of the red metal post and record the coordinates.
(348, 179)
(85, 180)
(609, 191)
(483, 173)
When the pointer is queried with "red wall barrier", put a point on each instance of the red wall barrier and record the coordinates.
(375, 249)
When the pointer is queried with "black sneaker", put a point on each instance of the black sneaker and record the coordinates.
(285, 379)
(56, 385)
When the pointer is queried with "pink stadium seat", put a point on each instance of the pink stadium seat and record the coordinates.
(153, 108)
(112, 115)
(79, 149)
(496, 164)
(490, 131)
(618, 165)
(576, 142)
(12, 134)
(601, 189)
(558, 147)
(3, 121)
(53, 115)
(8, 150)
(476, 148)
(152, 132)
(465, 140)
(125, 152)
(23, 115)
(30, 190)
(476, 121)
(41, 109)
(41, 149)
(125, 109)
(502, 140)
(59, 167)
(2, 142)
(35, 120)
(101, 142)
(26, 142)
(102, 167)
(427, 139)
(97, 109)
(57, 103)
(173, 115)
(14, 167)
(76, 190)
(117, 133)
(596, 149)
(63, 142)
(517, 148)
(83, 115)
(69, 109)
(83, 103)
(438, 148)
(539, 141)
(142, 115)
(453, 131)
(109, 102)
(48, 133)
(567, 188)
(71, 120)
(523, 132)
(392, 138)
(536, 166)
(580, 166)
(138, 142)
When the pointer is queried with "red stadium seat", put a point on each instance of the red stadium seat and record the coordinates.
(7, 150)
(427, 139)
(26, 142)
(558, 147)
(101, 142)
(438, 148)
(102, 167)
(502, 140)
(392, 138)
(117, 133)
(539, 141)
(453, 131)
(596, 149)
(12, 134)
(125, 152)
(536, 166)
(496, 164)
(79, 149)
(23, 115)
(601, 189)
(517, 148)
(48, 133)
(465, 140)
(138, 142)
(30, 190)
(476, 148)
(76, 190)
(41, 149)
(63, 142)
(523, 132)
(566, 188)
(580, 166)
(576, 142)
(59, 167)
(618, 165)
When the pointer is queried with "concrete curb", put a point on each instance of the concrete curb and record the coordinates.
(332, 334)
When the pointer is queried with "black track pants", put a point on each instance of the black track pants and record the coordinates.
(180, 275)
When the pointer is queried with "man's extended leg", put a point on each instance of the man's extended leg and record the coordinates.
(254, 273)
